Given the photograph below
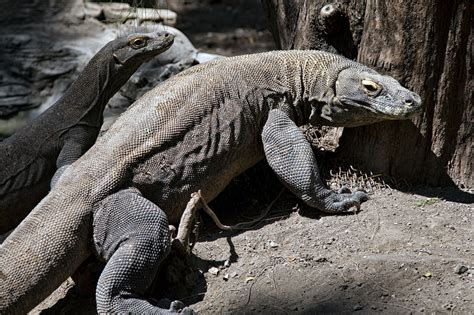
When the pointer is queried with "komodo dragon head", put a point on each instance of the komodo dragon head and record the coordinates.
(361, 96)
(135, 48)
(124, 55)
(127, 53)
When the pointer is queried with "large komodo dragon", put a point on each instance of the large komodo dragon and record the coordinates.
(193, 132)
(59, 136)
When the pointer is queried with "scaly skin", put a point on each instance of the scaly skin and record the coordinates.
(195, 131)
(68, 128)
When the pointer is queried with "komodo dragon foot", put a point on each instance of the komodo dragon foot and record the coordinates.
(345, 199)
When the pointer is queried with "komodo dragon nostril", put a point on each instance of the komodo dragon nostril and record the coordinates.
(411, 99)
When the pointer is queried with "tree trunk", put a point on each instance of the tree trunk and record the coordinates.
(427, 46)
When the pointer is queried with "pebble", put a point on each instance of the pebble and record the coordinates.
(357, 307)
(460, 269)
(213, 271)
(272, 244)
(449, 306)
(329, 242)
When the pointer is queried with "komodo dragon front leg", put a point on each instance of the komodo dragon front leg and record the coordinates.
(292, 159)
(76, 143)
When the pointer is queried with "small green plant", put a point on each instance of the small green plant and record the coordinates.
(427, 202)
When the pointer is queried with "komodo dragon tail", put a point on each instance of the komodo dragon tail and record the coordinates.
(43, 272)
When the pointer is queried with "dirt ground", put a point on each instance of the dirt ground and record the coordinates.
(405, 253)
(402, 254)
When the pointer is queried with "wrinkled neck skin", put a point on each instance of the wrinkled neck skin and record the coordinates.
(312, 85)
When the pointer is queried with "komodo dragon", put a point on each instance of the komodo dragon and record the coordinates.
(196, 131)
(67, 129)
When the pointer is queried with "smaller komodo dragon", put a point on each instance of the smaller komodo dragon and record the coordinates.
(195, 131)
(59, 136)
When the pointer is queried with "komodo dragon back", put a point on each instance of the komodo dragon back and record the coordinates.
(194, 132)
(69, 127)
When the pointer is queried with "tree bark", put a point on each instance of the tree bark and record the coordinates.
(427, 46)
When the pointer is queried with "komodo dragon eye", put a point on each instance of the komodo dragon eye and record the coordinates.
(138, 42)
(370, 86)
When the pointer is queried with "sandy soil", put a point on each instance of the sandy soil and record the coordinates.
(402, 254)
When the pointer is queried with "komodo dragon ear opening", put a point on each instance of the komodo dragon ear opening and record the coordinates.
(117, 59)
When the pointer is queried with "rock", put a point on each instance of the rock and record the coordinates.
(357, 307)
(92, 9)
(213, 271)
(44, 62)
(38, 63)
(272, 244)
(449, 306)
(121, 12)
(460, 269)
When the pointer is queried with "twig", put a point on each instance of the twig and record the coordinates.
(253, 282)
(240, 226)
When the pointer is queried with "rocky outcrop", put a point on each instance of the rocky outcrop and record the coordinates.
(45, 44)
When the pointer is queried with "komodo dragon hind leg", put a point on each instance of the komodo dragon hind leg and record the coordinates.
(132, 235)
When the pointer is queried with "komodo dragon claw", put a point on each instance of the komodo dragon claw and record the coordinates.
(345, 199)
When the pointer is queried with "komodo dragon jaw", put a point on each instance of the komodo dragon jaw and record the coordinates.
(363, 96)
